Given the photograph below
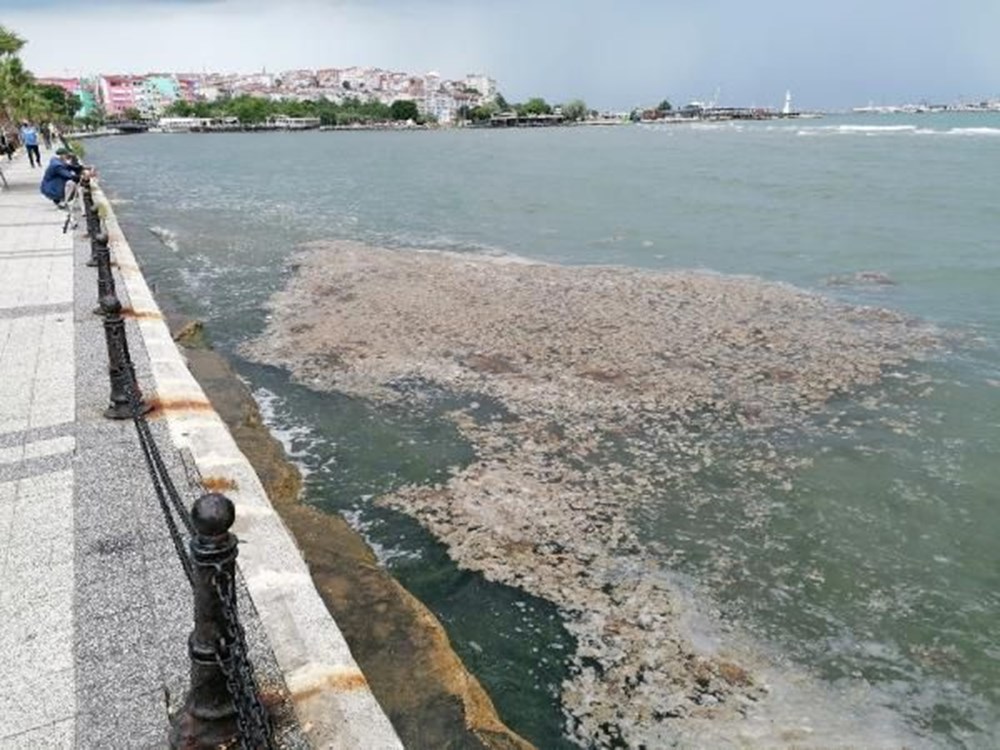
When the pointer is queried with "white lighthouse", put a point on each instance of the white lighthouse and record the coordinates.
(787, 109)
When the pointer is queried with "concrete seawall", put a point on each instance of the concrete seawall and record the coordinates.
(332, 700)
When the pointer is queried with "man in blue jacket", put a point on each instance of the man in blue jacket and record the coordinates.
(61, 177)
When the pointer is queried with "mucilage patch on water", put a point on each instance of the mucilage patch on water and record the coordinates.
(620, 389)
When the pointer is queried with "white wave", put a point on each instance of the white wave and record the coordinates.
(874, 130)
(974, 131)
(166, 236)
(384, 553)
(271, 405)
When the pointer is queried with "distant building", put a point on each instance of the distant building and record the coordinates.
(156, 95)
(189, 88)
(118, 93)
(76, 87)
(483, 85)
(69, 85)
(435, 97)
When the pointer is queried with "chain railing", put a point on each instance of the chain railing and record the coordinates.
(223, 702)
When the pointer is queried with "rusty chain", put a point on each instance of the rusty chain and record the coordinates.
(251, 716)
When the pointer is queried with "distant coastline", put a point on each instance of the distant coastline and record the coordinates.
(674, 118)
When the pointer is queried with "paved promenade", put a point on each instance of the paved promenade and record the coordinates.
(95, 610)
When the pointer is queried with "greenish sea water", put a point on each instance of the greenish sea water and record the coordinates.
(881, 566)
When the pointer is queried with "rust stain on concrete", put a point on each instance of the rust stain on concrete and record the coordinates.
(128, 312)
(338, 682)
(164, 406)
(218, 484)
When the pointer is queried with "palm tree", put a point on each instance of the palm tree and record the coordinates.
(15, 81)
(10, 43)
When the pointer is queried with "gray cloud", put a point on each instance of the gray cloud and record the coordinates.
(613, 53)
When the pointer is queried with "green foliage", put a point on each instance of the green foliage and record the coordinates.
(131, 115)
(10, 43)
(483, 111)
(574, 110)
(404, 109)
(502, 105)
(534, 106)
(61, 102)
(250, 110)
(20, 97)
(664, 106)
(180, 108)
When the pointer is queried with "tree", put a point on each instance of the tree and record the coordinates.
(63, 105)
(131, 114)
(664, 106)
(535, 106)
(10, 43)
(179, 108)
(501, 103)
(404, 109)
(574, 110)
(96, 118)
(249, 110)
(18, 97)
(484, 111)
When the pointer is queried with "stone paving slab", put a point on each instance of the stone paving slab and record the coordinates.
(37, 407)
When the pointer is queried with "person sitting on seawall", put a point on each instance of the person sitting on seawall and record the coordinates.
(29, 137)
(61, 177)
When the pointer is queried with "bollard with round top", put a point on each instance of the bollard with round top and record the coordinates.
(209, 717)
(101, 251)
(92, 218)
(126, 399)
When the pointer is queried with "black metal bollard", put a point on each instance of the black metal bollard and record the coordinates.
(92, 218)
(126, 398)
(101, 251)
(209, 717)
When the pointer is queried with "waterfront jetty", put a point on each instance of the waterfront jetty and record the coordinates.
(100, 595)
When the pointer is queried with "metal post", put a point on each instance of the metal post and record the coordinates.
(101, 252)
(209, 717)
(92, 218)
(126, 398)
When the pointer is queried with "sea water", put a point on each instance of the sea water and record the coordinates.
(879, 566)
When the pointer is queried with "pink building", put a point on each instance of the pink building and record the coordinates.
(188, 87)
(69, 85)
(118, 93)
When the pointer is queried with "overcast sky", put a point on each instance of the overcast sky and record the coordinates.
(611, 53)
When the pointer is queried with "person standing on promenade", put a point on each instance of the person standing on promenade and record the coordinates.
(29, 136)
(61, 177)
(6, 147)
(46, 129)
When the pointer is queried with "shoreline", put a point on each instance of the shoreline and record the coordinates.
(430, 697)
